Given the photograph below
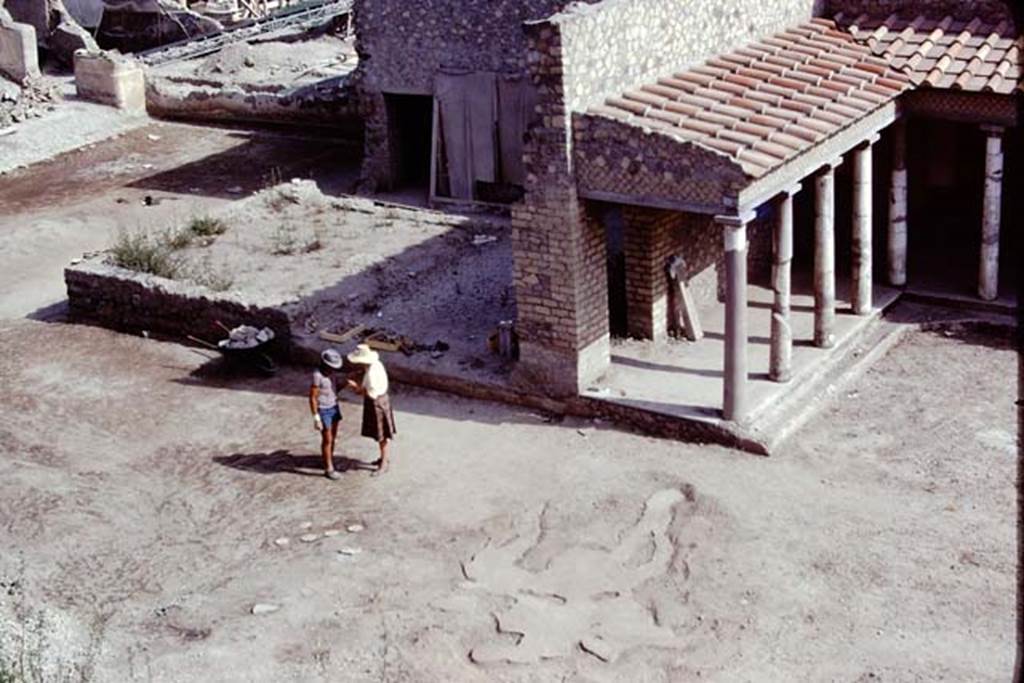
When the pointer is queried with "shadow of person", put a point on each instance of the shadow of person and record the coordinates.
(283, 461)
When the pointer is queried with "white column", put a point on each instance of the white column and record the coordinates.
(860, 291)
(780, 361)
(734, 399)
(897, 246)
(825, 256)
(988, 276)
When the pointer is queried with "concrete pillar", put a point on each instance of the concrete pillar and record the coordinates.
(860, 290)
(734, 399)
(780, 362)
(897, 243)
(825, 256)
(988, 275)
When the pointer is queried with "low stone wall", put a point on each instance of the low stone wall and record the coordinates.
(110, 79)
(134, 302)
(326, 104)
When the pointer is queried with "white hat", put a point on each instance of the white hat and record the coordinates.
(331, 358)
(363, 355)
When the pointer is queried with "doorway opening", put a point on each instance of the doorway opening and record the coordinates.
(410, 132)
(614, 226)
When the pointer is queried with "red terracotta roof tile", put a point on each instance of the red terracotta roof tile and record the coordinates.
(943, 52)
(769, 101)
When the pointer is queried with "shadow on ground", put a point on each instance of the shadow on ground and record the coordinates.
(283, 461)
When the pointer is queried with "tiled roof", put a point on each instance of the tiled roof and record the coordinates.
(769, 102)
(945, 52)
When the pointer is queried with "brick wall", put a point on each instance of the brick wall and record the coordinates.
(559, 244)
(650, 237)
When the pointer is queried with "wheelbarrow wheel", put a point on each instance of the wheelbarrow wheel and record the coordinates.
(265, 364)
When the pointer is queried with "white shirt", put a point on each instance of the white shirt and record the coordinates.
(375, 381)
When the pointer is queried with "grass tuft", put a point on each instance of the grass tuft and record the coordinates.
(145, 253)
(207, 226)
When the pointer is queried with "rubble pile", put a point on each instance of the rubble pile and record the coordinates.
(28, 101)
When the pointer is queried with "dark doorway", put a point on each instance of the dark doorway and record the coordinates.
(946, 169)
(410, 131)
(614, 227)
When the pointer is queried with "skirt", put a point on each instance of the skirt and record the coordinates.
(378, 419)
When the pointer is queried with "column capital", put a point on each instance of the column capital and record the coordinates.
(993, 130)
(869, 141)
(791, 190)
(736, 221)
(829, 166)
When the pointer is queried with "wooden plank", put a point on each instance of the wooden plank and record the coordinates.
(684, 314)
(435, 122)
(381, 345)
(344, 336)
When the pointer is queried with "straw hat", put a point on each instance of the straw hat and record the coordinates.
(331, 358)
(363, 355)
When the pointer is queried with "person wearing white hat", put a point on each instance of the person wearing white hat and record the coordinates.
(323, 401)
(372, 383)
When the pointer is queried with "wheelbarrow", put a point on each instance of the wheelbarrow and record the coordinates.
(245, 346)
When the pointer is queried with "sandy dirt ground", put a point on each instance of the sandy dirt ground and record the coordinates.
(146, 496)
(151, 501)
(78, 202)
(335, 262)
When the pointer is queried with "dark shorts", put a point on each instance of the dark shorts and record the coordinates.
(378, 418)
(329, 415)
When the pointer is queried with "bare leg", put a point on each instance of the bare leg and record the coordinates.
(382, 462)
(327, 448)
(334, 439)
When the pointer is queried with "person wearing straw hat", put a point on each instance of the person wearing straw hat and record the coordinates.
(323, 401)
(372, 383)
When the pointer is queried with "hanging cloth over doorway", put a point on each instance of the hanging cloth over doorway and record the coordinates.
(469, 117)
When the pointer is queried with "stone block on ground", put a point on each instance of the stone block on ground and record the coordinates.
(109, 78)
(19, 59)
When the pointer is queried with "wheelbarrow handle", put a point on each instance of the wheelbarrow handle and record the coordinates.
(203, 342)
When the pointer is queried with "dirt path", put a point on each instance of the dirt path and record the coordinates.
(56, 210)
(144, 496)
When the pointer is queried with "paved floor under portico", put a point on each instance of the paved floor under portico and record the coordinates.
(684, 379)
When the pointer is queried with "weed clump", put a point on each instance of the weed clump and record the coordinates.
(145, 253)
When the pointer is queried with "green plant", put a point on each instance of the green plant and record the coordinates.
(145, 253)
(207, 226)
(206, 275)
(176, 239)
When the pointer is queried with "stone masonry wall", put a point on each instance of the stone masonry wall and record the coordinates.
(403, 44)
(125, 300)
(613, 157)
(617, 44)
